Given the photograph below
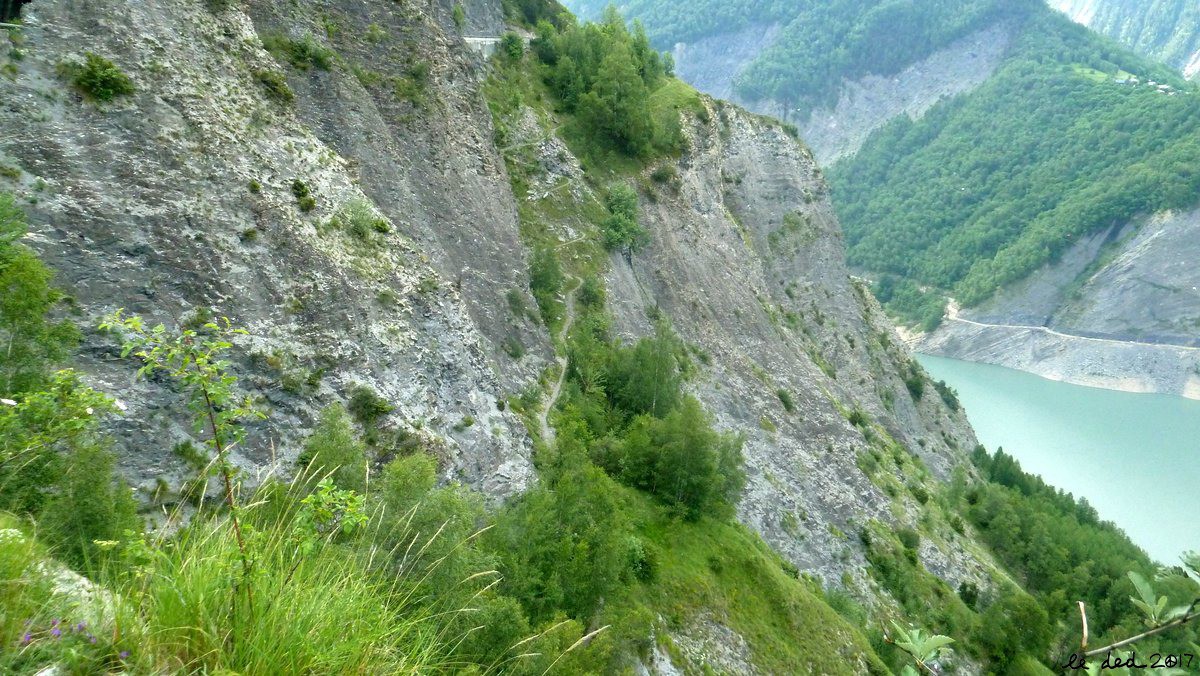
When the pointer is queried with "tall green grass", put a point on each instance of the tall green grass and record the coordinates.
(318, 599)
(320, 611)
(182, 604)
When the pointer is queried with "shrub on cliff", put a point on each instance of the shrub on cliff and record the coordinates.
(99, 79)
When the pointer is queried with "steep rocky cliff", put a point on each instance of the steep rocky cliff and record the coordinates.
(775, 308)
(1168, 30)
(1103, 315)
(181, 201)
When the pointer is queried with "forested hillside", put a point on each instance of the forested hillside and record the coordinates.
(821, 43)
(1070, 136)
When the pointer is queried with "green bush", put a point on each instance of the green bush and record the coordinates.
(276, 85)
(413, 85)
(646, 378)
(89, 506)
(512, 47)
(563, 548)
(681, 460)
(1013, 626)
(785, 398)
(303, 196)
(914, 380)
(948, 395)
(531, 12)
(513, 347)
(591, 294)
(34, 343)
(100, 79)
(358, 218)
(643, 559)
(333, 449)
(546, 282)
(621, 229)
(665, 174)
(55, 467)
(303, 54)
(367, 407)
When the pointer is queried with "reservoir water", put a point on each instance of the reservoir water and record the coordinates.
(1135, 457)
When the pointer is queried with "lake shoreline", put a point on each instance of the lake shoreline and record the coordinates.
(1121, 366)
(1134, 457)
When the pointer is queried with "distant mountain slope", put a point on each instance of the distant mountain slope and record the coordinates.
(984, 189)
(816, 43)
(1168, 30)
(974, 153)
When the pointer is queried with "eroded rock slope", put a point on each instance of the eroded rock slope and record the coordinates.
(180, 201)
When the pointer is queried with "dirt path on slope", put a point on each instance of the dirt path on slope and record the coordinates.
(568, 319)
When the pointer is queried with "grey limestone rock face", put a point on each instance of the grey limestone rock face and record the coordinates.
(746, 261)
(146, 203)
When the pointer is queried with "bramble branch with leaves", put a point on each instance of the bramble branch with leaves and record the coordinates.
(924, 649)
(194, 358)
(1157, 616)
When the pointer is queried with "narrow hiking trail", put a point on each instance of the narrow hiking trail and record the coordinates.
(561, 359)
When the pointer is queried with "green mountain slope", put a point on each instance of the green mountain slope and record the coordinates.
(988, 187)
(820, 42)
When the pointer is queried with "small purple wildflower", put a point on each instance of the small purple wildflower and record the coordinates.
(80, 627)
(54, 623)
(26, 639)
(56, 632)
(91, 639)
(124, 654)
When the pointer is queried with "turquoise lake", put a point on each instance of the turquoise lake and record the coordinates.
(1135, 457)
